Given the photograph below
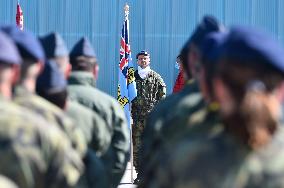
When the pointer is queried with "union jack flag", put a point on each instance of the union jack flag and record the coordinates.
(126, 91)
(19, 17)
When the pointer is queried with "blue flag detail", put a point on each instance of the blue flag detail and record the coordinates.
(126, 91)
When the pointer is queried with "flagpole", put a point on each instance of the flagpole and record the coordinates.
(126, 13)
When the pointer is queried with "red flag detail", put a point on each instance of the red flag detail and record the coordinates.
(19, 17)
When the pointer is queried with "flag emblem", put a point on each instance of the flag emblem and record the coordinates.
(126, 91)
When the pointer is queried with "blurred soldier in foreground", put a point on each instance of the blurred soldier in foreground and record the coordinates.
(53, 87)
(33, 153)
(204, 121)
(82, 89)
(249, 152)
(24, 94)
(150, 90)
(166, 121)
(92, 125)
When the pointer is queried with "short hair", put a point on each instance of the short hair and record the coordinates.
(83, 63)
(56, 97)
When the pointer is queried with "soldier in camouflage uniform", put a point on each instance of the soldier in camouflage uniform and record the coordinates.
(33, 153)
(81, 88)
(24, 94)
(167, 119)
(250, 148)
(92, 125)
(203, 120)
(150, 90)
(52, 86)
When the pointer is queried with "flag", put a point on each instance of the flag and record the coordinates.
(126, 91)
(19, 17)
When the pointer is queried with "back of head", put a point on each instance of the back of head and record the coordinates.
(54, 46)
(29, 47)
(9, 56)
(209, 56)
(27, 44)
(252, 72)
(207, 25)
(8, 51)
(82, 56)
(56, 49)
(51, 85)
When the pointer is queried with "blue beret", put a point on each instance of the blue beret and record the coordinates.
(143, 52)
(54, 46)
(28, 45)
(207, 25)
(51, 78)
(255, 45)
(211, 44)
(8, 50)
(82, 48)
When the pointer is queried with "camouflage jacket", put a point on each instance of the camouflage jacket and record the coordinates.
(222, 161)
(33, 152)
(81, 88)
(53, 115)
(149, 92)
(201, 123)
(168, 119)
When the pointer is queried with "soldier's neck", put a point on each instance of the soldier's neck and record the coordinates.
(29, 84)
(5, 90)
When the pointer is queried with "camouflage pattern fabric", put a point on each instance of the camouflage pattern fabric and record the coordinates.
(167, 120)
(53, 115)
(202, 123)
(223, 161)
(34, 153)
(81, 88)
(150, 91)
(136, 137)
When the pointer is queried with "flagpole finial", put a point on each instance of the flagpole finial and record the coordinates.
(126, 10)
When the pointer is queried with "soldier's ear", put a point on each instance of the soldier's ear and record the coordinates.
(96, 69)
(41, 66)
(223, 96)
(68, 70)
(280, 92)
